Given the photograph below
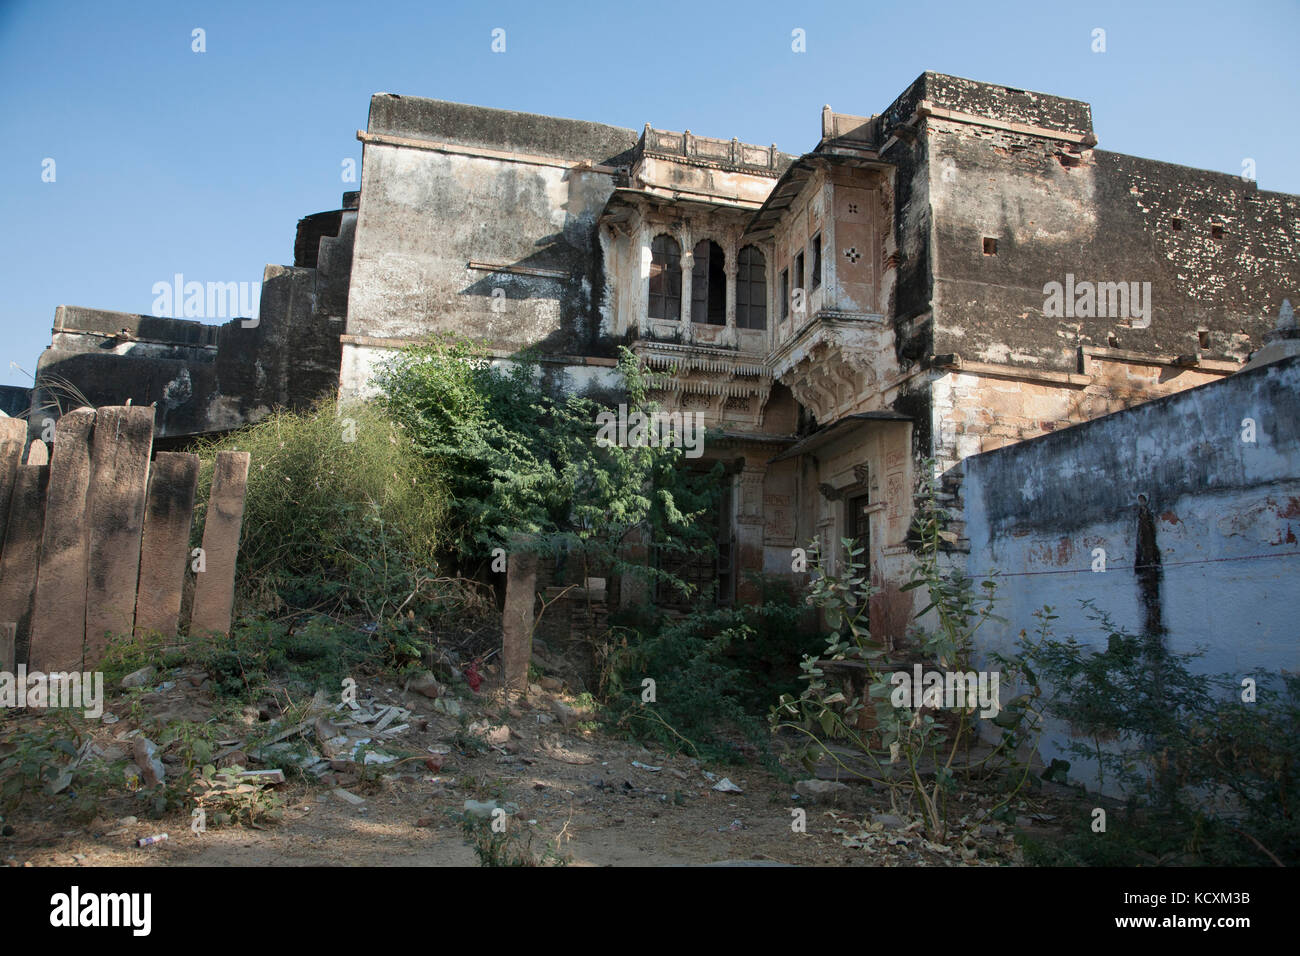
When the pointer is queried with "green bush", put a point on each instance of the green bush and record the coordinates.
(517, 459)
(341, 512)
(716, 672)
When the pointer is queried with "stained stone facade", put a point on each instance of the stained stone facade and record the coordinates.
(838, 318)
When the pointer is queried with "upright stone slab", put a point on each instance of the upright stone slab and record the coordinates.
(119, 478)
(214, 587)
(165, 550)
(8, 633)
(13, 435)
(517, 618)
(22, 551)
(634, 585)
(37, 453)
(59, 617)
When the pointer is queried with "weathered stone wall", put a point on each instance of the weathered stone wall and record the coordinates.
(1226, 514)
(461, 201)
(1219, 254)
(15, 400)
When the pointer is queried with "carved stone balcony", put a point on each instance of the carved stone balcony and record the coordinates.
(835, 362)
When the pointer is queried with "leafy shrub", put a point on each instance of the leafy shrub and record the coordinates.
(517, 459)
(1211, 778)
(341, 512)
(912, 747)
(716, 672)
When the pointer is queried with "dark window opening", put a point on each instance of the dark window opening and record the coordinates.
(1216, 232)
(751, 289)
(665, 278)
(1202, 339)
(1176, 225)
(708, 284)
(798, 271)
(990, 246)
(709, 572)
(817, 260)
(785, 293)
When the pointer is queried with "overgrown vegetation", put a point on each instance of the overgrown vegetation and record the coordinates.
(342, 514)
(522, 467)
(50, 760)
(916, 750)
(503, 846)
(298, 654)
(715, 673)
(366, 528)
(1210, 763)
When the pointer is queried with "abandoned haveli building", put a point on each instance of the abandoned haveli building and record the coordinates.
(838, 317)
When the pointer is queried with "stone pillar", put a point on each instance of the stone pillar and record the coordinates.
(22, 551)
(688, 288)
(731, 268)
(8, 634)
(119, 463)
(771, 289)
(749, 533)
(634, 586)
(517, 618)
(214, 588)
(13, 435)
(165, 549)
(645, 255)
(688, 285)
(59, 615)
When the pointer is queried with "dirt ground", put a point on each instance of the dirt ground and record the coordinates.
(591, 798)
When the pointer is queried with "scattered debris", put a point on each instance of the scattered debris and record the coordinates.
(495, 736)
(448, 705)
(268, 777)
(151, 840)
(151, 768)
(726, 786)
(567, 715)
(484, 809)
(821, 791)
(425, 683)
(140, 678)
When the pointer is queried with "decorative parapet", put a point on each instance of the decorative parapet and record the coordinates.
(707, 151)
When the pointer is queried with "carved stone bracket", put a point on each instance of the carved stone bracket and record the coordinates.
(834, 366)
(726, 388)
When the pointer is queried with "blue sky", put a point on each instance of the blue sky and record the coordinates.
(168, 161)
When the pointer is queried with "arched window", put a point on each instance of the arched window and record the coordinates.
(708, 284)
(665, 278)
(751, 289)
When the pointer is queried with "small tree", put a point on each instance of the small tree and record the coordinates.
(906, 743)
(519, 460)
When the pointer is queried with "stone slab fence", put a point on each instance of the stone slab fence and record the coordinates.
(95, 539)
